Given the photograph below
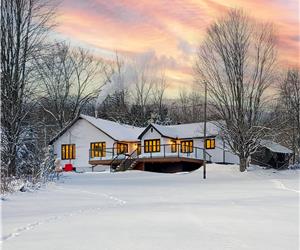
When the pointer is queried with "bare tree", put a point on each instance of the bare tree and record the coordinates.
(188, 107)
(24, 26)
(185, 106)
(290, 100)
(158, 93)
(112, 101)
(237, 61)
(112, 83)
(118, 66)
(69, 80)
(143, 79)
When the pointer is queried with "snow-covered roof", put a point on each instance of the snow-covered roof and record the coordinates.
(275, 147)
(117, 131)
(190, 130)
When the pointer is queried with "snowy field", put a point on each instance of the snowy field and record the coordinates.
(141, 210)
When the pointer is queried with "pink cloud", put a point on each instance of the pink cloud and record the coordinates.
(172, 29)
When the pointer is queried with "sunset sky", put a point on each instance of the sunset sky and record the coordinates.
(168, 31)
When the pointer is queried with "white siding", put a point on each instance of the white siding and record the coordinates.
(82, 133)
(131, 146)
(217, 154)
(152, 136)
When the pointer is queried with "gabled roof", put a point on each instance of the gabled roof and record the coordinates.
(116, 131)
(190, 130)
(275, 147)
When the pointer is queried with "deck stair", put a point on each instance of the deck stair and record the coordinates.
(123, 162)
(133, 165)
(126, 164)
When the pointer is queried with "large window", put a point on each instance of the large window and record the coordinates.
(186, 146)
(98, 149)
(152, 146)
(210, 143)
(173, 146)
(122, 148)
(68, 151)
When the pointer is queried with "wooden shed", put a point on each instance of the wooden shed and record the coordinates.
(272, 154)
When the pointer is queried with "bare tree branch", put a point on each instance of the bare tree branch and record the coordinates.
(237, 62)
(24, 27)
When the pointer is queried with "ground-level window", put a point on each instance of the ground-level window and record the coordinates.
(186, 146)
(173, 146)
(122, 148)
(210, 143)
(98, 149)
(68, 151)
(152, 146)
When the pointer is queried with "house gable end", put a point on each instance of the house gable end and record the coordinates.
(71, 124)
(149, 127)
(64, 130)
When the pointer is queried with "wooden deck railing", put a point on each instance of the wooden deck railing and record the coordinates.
(161, 151)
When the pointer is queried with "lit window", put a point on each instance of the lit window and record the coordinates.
(68, 151)
(173, 146)
(152, 146)
(186, 146)
(122, 148)
(98, 149)
(210, 143)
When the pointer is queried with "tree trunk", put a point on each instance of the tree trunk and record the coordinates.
(244, 163)
(11, 160)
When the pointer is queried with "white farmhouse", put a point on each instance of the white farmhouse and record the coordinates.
(90, 138)
(187, 139)
(90, 141)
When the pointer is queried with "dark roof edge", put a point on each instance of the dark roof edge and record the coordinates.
(151, 125)
(148, 127)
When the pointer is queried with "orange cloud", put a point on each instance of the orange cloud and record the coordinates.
(171, 29)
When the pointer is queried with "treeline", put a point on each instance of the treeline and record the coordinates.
(45, 84)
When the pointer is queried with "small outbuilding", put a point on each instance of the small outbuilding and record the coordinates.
(272, 154)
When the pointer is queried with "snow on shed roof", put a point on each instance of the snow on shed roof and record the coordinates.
(190, 130)
(118, 131)
(275, 147)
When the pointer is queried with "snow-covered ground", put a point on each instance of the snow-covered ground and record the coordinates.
(141, 210)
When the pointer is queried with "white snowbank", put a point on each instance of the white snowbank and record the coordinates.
(137, 210)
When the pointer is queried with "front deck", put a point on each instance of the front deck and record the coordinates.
(167, 159)
(159, 164)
